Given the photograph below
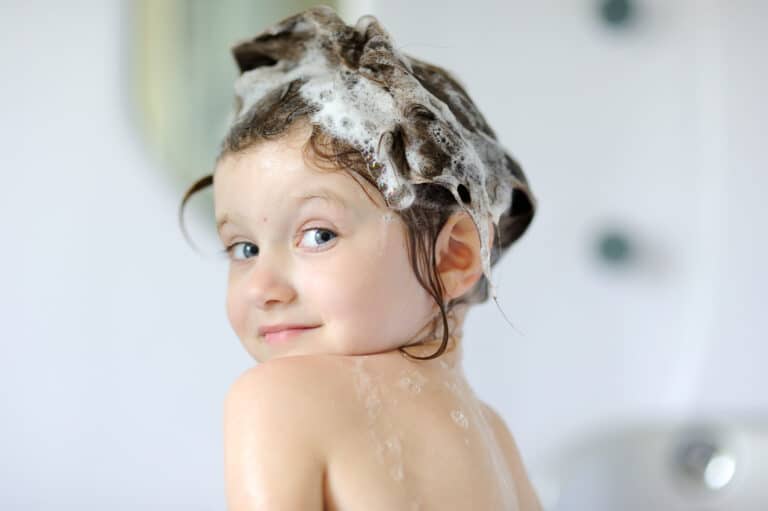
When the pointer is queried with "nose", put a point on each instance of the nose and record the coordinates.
(267, 285)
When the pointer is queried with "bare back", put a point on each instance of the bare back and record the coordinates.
(409, 435)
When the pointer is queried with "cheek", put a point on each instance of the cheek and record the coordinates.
(338, 289)
(236, 311)
(371, 286)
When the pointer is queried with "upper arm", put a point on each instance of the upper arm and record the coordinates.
(525, 492)
(271, 456)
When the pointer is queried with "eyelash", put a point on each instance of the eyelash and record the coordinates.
(229, 249)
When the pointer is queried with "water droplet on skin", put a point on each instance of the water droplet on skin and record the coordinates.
(367, 392)
(412, 382)
(373, 404)
(460, 419)
(378, 446)
(453, 387)
(406, 383)
(385, 441)
(393, 446)
(382, 240)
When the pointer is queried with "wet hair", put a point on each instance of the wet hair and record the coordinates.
(433, 203)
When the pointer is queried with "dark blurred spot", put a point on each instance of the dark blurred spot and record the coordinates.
(249, 61)
(613, 247)
(617, 13)
(464, 194)
(521, 204)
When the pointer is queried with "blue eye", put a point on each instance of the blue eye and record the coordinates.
(242, 250)
(319, 236)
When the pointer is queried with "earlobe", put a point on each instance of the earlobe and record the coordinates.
(458, 255)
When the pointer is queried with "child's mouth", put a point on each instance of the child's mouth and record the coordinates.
(282, 336)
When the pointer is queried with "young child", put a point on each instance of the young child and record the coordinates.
(361, 199)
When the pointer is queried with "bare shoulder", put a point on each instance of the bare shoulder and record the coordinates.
(295, 391)
(282, 370)
(526, 494)
(273, 436)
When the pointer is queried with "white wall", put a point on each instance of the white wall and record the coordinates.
(115, 352)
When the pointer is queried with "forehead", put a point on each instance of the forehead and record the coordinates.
(272, 171)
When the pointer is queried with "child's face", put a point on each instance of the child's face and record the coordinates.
(343, 269)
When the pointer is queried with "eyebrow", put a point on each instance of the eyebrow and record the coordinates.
(325, 194)
(321, 193)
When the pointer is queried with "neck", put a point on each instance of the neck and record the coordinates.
(453, 354)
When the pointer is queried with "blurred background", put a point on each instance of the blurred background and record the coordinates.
(636, 376)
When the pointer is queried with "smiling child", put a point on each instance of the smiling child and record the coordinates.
(361, 200)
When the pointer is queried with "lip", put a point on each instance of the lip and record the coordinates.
(280, 333)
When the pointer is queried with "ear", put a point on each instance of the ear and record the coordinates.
(457, 250)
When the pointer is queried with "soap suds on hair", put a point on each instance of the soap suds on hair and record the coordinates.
(412, 121)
